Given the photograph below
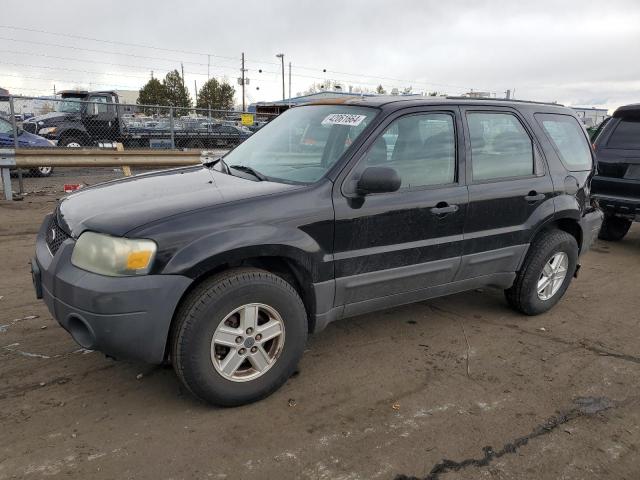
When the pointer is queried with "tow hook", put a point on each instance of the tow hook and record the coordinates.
(575, 274)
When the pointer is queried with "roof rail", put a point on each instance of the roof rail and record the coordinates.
(503, 100)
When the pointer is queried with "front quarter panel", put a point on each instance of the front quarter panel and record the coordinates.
(297, 225)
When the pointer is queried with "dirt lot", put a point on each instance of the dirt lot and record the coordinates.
(460, 386)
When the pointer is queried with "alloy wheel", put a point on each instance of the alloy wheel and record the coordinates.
(247, 342)
(553, 274)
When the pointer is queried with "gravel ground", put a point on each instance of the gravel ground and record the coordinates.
(455, 388)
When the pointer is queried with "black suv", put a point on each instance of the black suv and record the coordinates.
(223, 269)
(617, 184)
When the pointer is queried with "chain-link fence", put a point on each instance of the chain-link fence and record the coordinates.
(99, 120)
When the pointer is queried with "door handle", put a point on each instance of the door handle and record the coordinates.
(444, 209)
(534, 197)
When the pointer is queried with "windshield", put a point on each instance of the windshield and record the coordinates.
(303, 143)
(69, 106)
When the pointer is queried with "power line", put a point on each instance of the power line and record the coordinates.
(114, 42)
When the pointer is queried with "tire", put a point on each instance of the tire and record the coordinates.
(614, 228)
(523, 295)
(207, 310)
(70, 142)
(41, 171)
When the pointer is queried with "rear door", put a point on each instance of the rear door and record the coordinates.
(510, 191)
(392, 246)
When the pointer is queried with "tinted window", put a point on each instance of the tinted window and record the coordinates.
(569, 140)
(421, 148)
(500, 146)
(626, 135)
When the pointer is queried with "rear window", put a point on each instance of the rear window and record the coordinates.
(626, 135)
(568, 139)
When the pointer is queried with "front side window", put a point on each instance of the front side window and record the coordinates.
(5, 127)
(98, 104)
(420, 148)
(568, 139)
(303, 143)
(626, 135)
(500, 146)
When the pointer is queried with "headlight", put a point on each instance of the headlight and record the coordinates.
(113, 256)
(47, 130)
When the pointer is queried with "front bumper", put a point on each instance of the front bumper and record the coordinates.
(123, 317)
(590, 224)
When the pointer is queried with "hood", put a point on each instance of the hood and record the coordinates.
(119, 206)
(54, 117)
(26, 139)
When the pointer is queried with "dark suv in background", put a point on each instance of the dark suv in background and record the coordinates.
(224, 268)
(617, 183)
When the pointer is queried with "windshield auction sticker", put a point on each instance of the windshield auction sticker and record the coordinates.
(344, 119)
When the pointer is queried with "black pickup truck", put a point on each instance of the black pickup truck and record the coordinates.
(90, 118)
(617, 183)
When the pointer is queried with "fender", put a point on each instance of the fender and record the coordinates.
(233, 245)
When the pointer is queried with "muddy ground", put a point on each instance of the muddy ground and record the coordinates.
(454, 388)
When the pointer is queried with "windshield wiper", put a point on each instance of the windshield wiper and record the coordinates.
(250, 171)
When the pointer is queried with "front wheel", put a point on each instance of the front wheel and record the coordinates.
(41, 171)
(614, 228)
(546, 273)
(238, 337)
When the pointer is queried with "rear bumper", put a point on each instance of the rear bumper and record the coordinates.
(617, 196)
(124, 317)
(590, 225)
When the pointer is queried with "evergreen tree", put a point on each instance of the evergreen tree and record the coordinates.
(380, 90)
(177, 94)
(153, 93)
(216, 95)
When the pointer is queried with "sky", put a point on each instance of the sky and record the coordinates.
(580, 53)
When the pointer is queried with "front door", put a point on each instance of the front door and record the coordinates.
(389, 244)
(510, 191)
(100, 118)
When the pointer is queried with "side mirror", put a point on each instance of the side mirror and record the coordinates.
(378, 180)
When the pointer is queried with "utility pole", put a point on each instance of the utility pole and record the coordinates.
(182, 68)
(289, 82)
(281, 57)
(195, 86)
(242, 80)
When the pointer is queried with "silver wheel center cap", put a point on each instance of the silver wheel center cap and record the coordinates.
(249, 342)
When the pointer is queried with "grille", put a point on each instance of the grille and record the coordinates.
(30, 127)
(55, 235)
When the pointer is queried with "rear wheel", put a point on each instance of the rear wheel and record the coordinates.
(614, 228)
(546, 273)
(238, 337)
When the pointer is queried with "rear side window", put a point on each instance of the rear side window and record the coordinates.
(500, 146)
(626, 135)
(568, 139)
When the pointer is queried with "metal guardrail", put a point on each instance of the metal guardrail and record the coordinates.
(72, 157)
